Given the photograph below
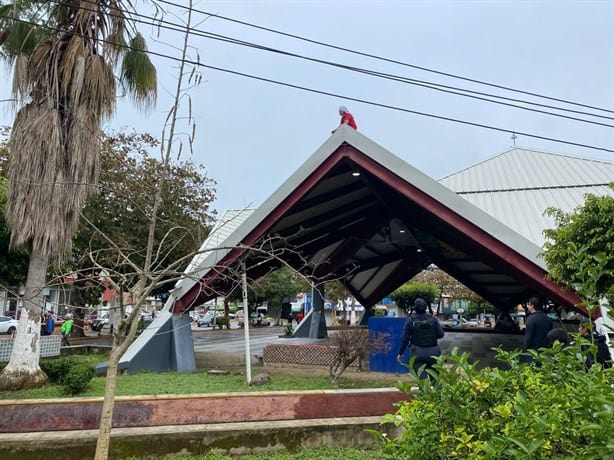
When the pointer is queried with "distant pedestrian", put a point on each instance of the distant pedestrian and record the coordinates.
(602, 355)
(538, 326)
(49, 323)
(66, 330)
(421, 333)
(346, 118)
(558, 334)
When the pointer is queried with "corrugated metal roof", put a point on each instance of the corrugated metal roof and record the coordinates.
(365, 216)
(521, 169)
(224, 227)
(518, 185)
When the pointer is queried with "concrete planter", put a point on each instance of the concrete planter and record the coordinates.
(21, 416)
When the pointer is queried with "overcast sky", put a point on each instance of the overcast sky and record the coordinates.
(251, 135)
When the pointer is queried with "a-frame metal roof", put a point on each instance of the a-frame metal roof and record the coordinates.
(356, 212)
(518, 185)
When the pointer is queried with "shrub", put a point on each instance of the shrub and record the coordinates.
(71, 372)
(78, 378)
(56, 369)
(354, 344)
(553, 410)
(221, 322)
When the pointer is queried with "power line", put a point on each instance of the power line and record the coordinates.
(422, 83)
(328, 93)
(393, 61)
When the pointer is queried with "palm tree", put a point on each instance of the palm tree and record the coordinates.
(64, 55)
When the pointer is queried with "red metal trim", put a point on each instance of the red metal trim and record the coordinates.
(516, 261)
(467, 228)
(260, 230)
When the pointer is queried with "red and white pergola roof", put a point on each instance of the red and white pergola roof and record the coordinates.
(356, 212)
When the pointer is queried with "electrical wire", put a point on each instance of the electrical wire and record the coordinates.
(328, 93)
(393, 61)
(422, 83)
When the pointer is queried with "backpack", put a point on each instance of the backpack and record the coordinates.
(424, 333)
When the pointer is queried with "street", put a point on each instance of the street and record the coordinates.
(233, 340)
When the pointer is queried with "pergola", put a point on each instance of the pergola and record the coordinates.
(357, 213)
(352, 212)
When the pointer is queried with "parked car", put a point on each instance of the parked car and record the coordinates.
(99, 322)
(205, 319)
(460, 323)
(8, 325)
(255, 319)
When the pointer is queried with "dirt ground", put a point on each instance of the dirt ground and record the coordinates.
(323, 371)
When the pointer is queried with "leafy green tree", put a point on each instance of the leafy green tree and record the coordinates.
(119, 212)
(583, 240)
(453, 289)
(13, 264)
(273, 288)
(335, 290)
(405, 295)
(64, 56)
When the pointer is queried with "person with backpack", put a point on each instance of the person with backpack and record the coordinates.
(421, 333)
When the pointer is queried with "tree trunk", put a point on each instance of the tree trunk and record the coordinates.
(80, 292)
(106, 416)
(23, 370)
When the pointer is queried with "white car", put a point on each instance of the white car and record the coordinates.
(460, 323)
(205, 319)
(8, 325)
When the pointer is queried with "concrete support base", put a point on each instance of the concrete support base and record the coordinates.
(227, 438)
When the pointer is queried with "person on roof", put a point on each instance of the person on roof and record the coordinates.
(346, 118)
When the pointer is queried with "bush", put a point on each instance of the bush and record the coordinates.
(71, 372)
(556, 410)
(221, 322)
(78, 378)
(56, 369)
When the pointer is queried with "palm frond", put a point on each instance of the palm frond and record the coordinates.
(36, 146)
(21, 82)
(68, 76)
(139, 74)
(99, 85)
(21, 37)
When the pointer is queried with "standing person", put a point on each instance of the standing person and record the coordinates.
(558, 334)
(49, 324)
(44, 323)
(602, 356)
(66, 330)
(346, 118)
(421, 333)
(538, 326)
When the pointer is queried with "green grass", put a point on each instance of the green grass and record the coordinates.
(166, 383)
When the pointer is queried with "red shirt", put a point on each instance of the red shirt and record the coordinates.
(348, 119)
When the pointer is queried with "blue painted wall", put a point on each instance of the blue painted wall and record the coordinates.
(387, 362)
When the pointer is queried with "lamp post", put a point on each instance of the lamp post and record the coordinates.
(248, 362)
